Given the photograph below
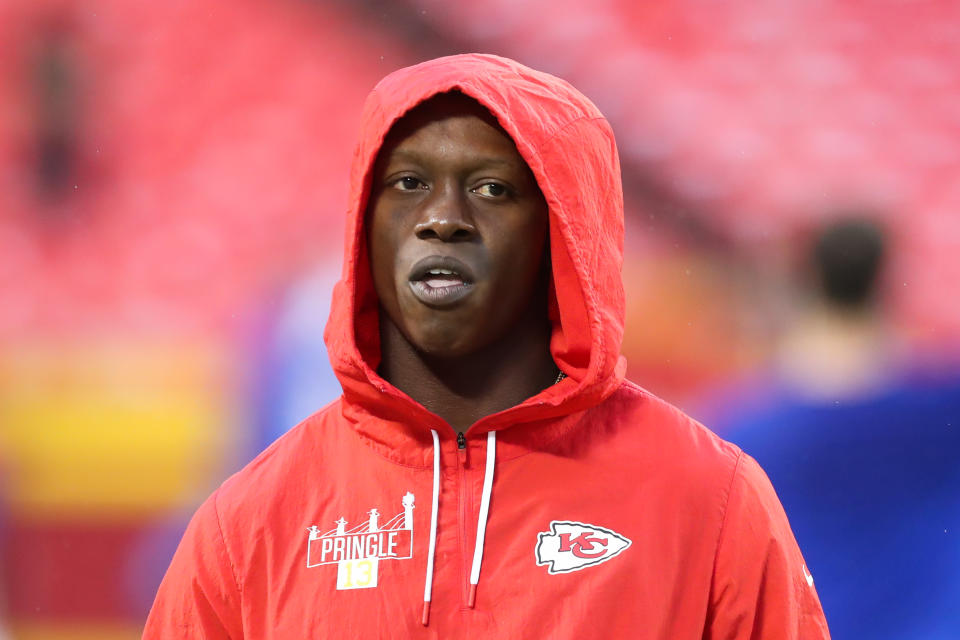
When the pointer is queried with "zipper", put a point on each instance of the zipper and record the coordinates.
(465, 511)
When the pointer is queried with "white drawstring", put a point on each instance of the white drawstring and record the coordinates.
(482, 518)
(428, 582)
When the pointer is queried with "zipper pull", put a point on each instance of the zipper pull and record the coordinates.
(461, 440)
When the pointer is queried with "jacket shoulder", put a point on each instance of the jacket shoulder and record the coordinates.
(677, 441)
(759, 587)
(272, 476)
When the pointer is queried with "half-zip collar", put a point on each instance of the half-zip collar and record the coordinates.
(481, 521)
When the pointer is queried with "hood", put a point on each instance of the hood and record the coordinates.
(570, 148)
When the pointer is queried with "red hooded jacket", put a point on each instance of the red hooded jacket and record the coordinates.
(591, 510)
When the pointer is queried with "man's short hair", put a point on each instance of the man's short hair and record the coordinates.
(848, 256)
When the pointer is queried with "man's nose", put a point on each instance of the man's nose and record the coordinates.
(446, 217)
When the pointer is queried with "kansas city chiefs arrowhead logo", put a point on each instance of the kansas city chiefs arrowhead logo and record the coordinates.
(571, 546)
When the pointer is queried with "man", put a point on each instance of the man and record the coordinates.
(488, 473)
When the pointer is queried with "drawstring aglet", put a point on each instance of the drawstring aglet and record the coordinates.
(425, 617)
(472, 598)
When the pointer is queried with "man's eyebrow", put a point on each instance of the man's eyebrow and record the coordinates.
(404, 155)
(483, 160)
(412, 156)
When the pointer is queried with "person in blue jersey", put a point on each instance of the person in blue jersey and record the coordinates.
(864, 450)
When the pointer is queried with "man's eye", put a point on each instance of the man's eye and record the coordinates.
(491, 190)
(408, 183)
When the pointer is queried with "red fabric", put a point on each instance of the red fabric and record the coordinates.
(710, 553)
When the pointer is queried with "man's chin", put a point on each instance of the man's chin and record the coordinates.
(446, 343)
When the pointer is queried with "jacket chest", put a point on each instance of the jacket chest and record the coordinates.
(560, 553)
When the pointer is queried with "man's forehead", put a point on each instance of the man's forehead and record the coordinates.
(407, 154)
(440, 114)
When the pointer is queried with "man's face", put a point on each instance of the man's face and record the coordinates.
(457, 229)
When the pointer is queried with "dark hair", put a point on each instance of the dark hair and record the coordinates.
(453, 98)
(848, 255)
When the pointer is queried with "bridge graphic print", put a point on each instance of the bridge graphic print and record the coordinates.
(358, 550)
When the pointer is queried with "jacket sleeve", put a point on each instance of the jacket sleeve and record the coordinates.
(761, 587)
(199, 596)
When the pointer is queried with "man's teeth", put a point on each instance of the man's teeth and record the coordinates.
(441, 282)
(437, 278)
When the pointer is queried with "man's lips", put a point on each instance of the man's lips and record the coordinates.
(440, 281)
(443, 267)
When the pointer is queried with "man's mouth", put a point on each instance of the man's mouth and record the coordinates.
(440, 281)
(437, 278)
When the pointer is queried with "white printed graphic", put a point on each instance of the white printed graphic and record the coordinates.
(806, 574)
(571, 546)
(357, 551)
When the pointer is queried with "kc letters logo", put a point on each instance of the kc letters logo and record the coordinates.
(571, 546)
(357, 551)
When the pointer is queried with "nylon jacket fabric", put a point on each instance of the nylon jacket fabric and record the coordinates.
(612, 514)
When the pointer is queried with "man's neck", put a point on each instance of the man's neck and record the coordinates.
(463, 390)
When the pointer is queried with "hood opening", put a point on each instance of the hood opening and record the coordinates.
(569, 147)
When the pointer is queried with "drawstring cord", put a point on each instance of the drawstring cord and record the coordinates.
(428, 582)
(482, 518)
(481, 522)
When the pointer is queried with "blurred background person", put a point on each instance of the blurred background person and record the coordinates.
(863, 445)
(840, 344)
(172, 182)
